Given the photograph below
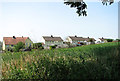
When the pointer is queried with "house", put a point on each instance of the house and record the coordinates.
(9, 42)
(102, 40)
(89, 41)
(75, 40)
(51, 41)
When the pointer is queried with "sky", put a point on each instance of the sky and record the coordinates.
(37, 19)
(119, 20)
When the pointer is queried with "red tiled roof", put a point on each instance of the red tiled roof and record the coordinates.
(12, 41)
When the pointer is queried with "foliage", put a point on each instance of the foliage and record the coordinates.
(91, 40)
(81, 6)
(53, 47)
(68, 43)
(37, 45)
(99, 61)
(118, 39)
(19, 46)
(109, 40)
(105, 2)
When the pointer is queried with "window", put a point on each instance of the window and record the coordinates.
(7, 46)
(30, 45)
(26, 43)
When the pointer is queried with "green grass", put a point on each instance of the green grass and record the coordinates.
(99, 61)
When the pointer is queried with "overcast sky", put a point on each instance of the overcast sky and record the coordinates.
(37, 19)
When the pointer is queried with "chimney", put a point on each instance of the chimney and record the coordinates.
(102, 38)
(22, 36)
(88, 37)
(52, 36)
(14, 37)
(75, 35)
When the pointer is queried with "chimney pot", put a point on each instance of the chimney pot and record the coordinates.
(14, 37)
(52, 36)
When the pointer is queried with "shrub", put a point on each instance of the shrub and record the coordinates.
(118, 39)
(37, 45)
(53, 47)
(100, 61)
(40, 48)
(109, 40)
(91, 40)
(19, 46)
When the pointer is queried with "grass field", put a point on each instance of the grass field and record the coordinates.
(100, 61)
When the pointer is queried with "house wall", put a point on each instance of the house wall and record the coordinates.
(88, 43)
(73, 41)
(69, 39)
(50, 43)
(3, 47)
(105, 41)
(76, 42)
(8, 47)
(28, 43)
(42, 40)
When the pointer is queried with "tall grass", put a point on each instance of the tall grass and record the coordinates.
(99, 61)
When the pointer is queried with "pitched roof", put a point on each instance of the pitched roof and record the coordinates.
(51, 38)
(75, 38)
(13, 41)
(88, 39)
(102, 39)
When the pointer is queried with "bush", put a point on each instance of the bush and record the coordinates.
(37, 45)
(100, 61)
(19, 46)
(40, 48)
(109, 40)
(118, 39)
(53, 47)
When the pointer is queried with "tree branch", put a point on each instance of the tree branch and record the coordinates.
(81, 6)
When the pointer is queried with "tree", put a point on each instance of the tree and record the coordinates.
(81, 6)
(91, 41)
(19, 46)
